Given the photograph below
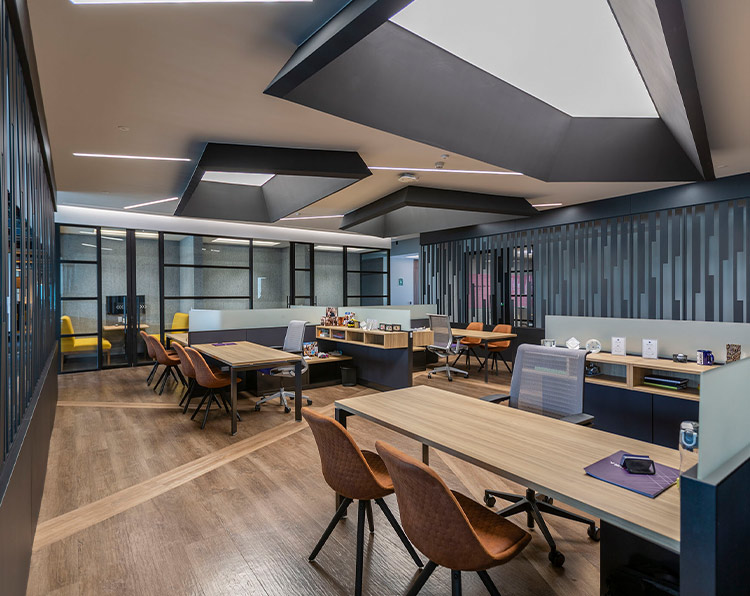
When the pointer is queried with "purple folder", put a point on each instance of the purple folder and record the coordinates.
(226, 343)
(609, 470)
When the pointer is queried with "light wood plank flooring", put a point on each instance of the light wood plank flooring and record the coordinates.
(138, 500)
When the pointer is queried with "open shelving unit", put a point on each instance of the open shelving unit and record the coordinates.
(628, 372)
(386, 340)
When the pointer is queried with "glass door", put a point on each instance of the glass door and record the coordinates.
(301, 291)
(328, 274)
(147, 307)
(114, 292)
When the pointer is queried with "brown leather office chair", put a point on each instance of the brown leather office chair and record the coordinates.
(151, 355)
(451, 529)
(170, 361)
(188, 370)
(354, 474)
(211, 380)
(468, 345)
(496, 348)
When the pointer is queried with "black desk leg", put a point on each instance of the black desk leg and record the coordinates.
(233, 392)
(487, 361)
(298, 391)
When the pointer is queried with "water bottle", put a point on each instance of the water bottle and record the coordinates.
(688, 445)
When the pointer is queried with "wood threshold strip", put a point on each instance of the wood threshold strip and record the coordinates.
(131, 405)
(70, 523)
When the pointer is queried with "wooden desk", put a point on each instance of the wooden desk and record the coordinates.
(486, 337)
(541, 453)
(180, 338)
(119, 327)
(243, 355)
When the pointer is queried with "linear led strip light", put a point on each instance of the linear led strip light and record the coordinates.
(444, 171)
(152, 203)
(180, 1)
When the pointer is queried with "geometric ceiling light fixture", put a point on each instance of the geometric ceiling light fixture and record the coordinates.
(265, 184)
(482, 116)
(417, 209)
(179, 1)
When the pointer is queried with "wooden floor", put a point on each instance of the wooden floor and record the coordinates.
(138, 500)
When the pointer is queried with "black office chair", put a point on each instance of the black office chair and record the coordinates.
(546, 381)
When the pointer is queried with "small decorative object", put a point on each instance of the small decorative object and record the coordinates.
(573, 343)
(330, 317)
(705, 357)
(679, 357)
(549, 343)
(650, 348)
(310, 349)
(382, 326)
(389, 327)
(734, 351)
(591, 370)
(363, 325)
(372, 324)
(618, 346)
(396, 327)
(594, 346)
(353, 323)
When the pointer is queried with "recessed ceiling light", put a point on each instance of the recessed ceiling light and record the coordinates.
(327, 248)
(93, 246)
(444, 171)
(265, 243)
(152, 203)
(178, 1)
(548, 205)
(243, 178)
(310, 217)
(123, 128)
(142, 157)
(231, 241)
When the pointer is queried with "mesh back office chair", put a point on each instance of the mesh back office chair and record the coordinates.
(546, 381)
(293, 343)
(443, 345)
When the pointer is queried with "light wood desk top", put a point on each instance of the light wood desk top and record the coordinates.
(180, 338)
(483, 335)
(541, 453)
(244, 353)
(120, 327)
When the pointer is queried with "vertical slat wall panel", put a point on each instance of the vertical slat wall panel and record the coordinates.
(27, 321)
(687, 263)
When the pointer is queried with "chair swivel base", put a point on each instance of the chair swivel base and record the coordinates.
(211, 396)
(534, 505)
(282, 396)
(448, 370)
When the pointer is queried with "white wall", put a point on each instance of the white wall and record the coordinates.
(402, 268)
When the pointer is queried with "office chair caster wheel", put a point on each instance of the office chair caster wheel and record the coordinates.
(287, 410)
(595, 533)
(429, 376)
(489, 500)
(257, 407)
(450, 380)
(309, 402)
(548, 500)
(556, 558)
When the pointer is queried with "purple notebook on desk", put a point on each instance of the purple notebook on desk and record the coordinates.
(609, 470)
(225, 343)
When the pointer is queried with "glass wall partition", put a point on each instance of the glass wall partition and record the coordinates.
(271, 266)
(79, 299)
(367, 277)
(301, 275)
(328, 275)
(147, 290)
(205, 272)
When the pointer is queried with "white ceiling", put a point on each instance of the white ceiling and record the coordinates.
(569, 54)
(180, 75)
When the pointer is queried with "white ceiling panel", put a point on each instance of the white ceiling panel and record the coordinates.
(569, 54)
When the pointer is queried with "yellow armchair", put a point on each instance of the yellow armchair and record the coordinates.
(180, 322)
(70, 345)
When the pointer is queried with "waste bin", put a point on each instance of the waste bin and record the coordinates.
(348, 376)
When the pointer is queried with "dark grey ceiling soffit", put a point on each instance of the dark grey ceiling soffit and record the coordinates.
(418, 208)
(364, 68)
(302, 177)
(656, 34)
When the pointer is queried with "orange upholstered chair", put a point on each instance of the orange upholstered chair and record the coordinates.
(451, 529)
(212, 380)
(496, 348)
(355, 475)
(468, 345)
(169, 360)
